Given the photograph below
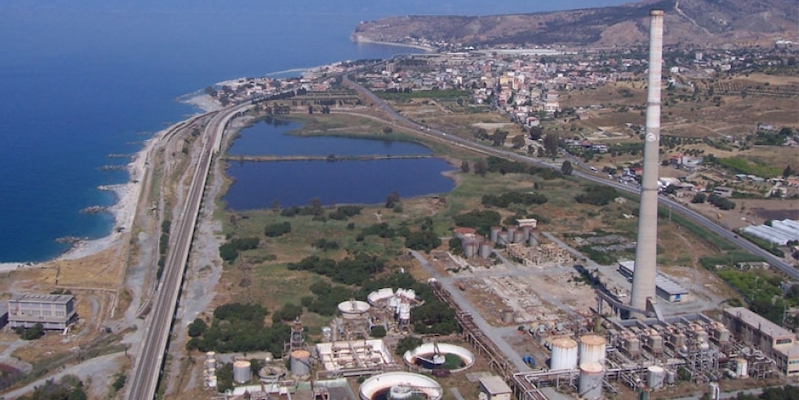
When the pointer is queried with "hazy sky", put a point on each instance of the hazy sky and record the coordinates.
(366, 7)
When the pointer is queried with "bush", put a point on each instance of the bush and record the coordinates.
(279, 229)
(424, 241)
(32, 333)
(197, 328)
(597, 195)
(378, 331)
(480, 220)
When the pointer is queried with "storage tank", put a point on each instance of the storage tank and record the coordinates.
(526, 231)
(531, 241)
(741, 367)
(564, 354)
(502, 238)
(655, 376)
(592, 349)
(327, 333)
(383, 385)
(671, 376)
(300, 362)
(495, 230)
(242, 371)
(589, 385)
(485, 249)
(404, 313)
(518, 237)
(470, 249)
(511, 234)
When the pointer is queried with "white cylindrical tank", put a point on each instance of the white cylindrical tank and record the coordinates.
(564, 354)
(485, 249)
(671, 376)
(405, 312)
(655, 376)
(242, 371)
(495, 230)
(592, 349)
(507, 316)
(526, 232)
(210, 364)
(518, 237)
(327, 333)
(741, 367)
(210, 355)
(590, 382)
(300, 362)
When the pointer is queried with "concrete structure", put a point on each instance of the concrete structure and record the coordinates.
(666, 288)
(355, 354)
(643, 290)
(428, 349)
(53, 311)
(495, 388)
(775, 341)
(527, 222)
(410, 383)
(353, 309)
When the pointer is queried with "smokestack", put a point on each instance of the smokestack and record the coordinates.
(646, 248)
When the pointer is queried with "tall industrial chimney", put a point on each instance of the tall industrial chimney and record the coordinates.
(646, 248)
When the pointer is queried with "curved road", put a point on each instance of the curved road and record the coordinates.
(499, 152)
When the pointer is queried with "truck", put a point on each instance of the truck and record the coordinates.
(529, 360)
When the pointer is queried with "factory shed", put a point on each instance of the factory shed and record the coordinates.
(666, 288)
(495, 388)
(775, 341)
(53, 311)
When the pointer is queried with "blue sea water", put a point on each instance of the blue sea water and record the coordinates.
(82, 79)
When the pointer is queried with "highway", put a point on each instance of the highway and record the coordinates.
(593, 177)
(148, 364)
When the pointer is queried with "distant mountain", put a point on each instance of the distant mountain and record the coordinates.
(739, 23)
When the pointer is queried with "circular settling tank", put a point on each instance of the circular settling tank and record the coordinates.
(402, 385)
(439, 356)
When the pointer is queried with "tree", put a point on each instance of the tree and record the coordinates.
(788, 171)
(536, 133)
(551, 143)
(392, 199)
(517, 141)
(480, 168)
(465, 166)
(197, 328)
(566, 168)
(699, 198)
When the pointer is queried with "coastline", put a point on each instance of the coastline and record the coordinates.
(127, 197)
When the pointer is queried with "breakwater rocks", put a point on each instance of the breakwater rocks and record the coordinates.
(111, 188)
(94, 210)
(119, 155)
(69, 240)
(113, 167)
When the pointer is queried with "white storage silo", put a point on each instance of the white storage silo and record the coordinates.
(655, 377)
(518, 237)
(564, 354)
(592, 349)
(495, 230)
(511, 233)
(300, 362)
(485, 249)
(404, 313)
(590, 383)
(242, 371)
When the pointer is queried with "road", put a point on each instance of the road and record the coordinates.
(149, 362)
(593, 177)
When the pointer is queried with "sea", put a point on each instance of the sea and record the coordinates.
(84, 82)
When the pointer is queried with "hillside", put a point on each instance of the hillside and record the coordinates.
(738, 23)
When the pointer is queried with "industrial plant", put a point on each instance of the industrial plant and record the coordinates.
(562, 336)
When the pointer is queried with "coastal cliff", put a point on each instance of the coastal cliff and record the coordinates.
(737, 23)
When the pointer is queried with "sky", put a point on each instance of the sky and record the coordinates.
(379, 8)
